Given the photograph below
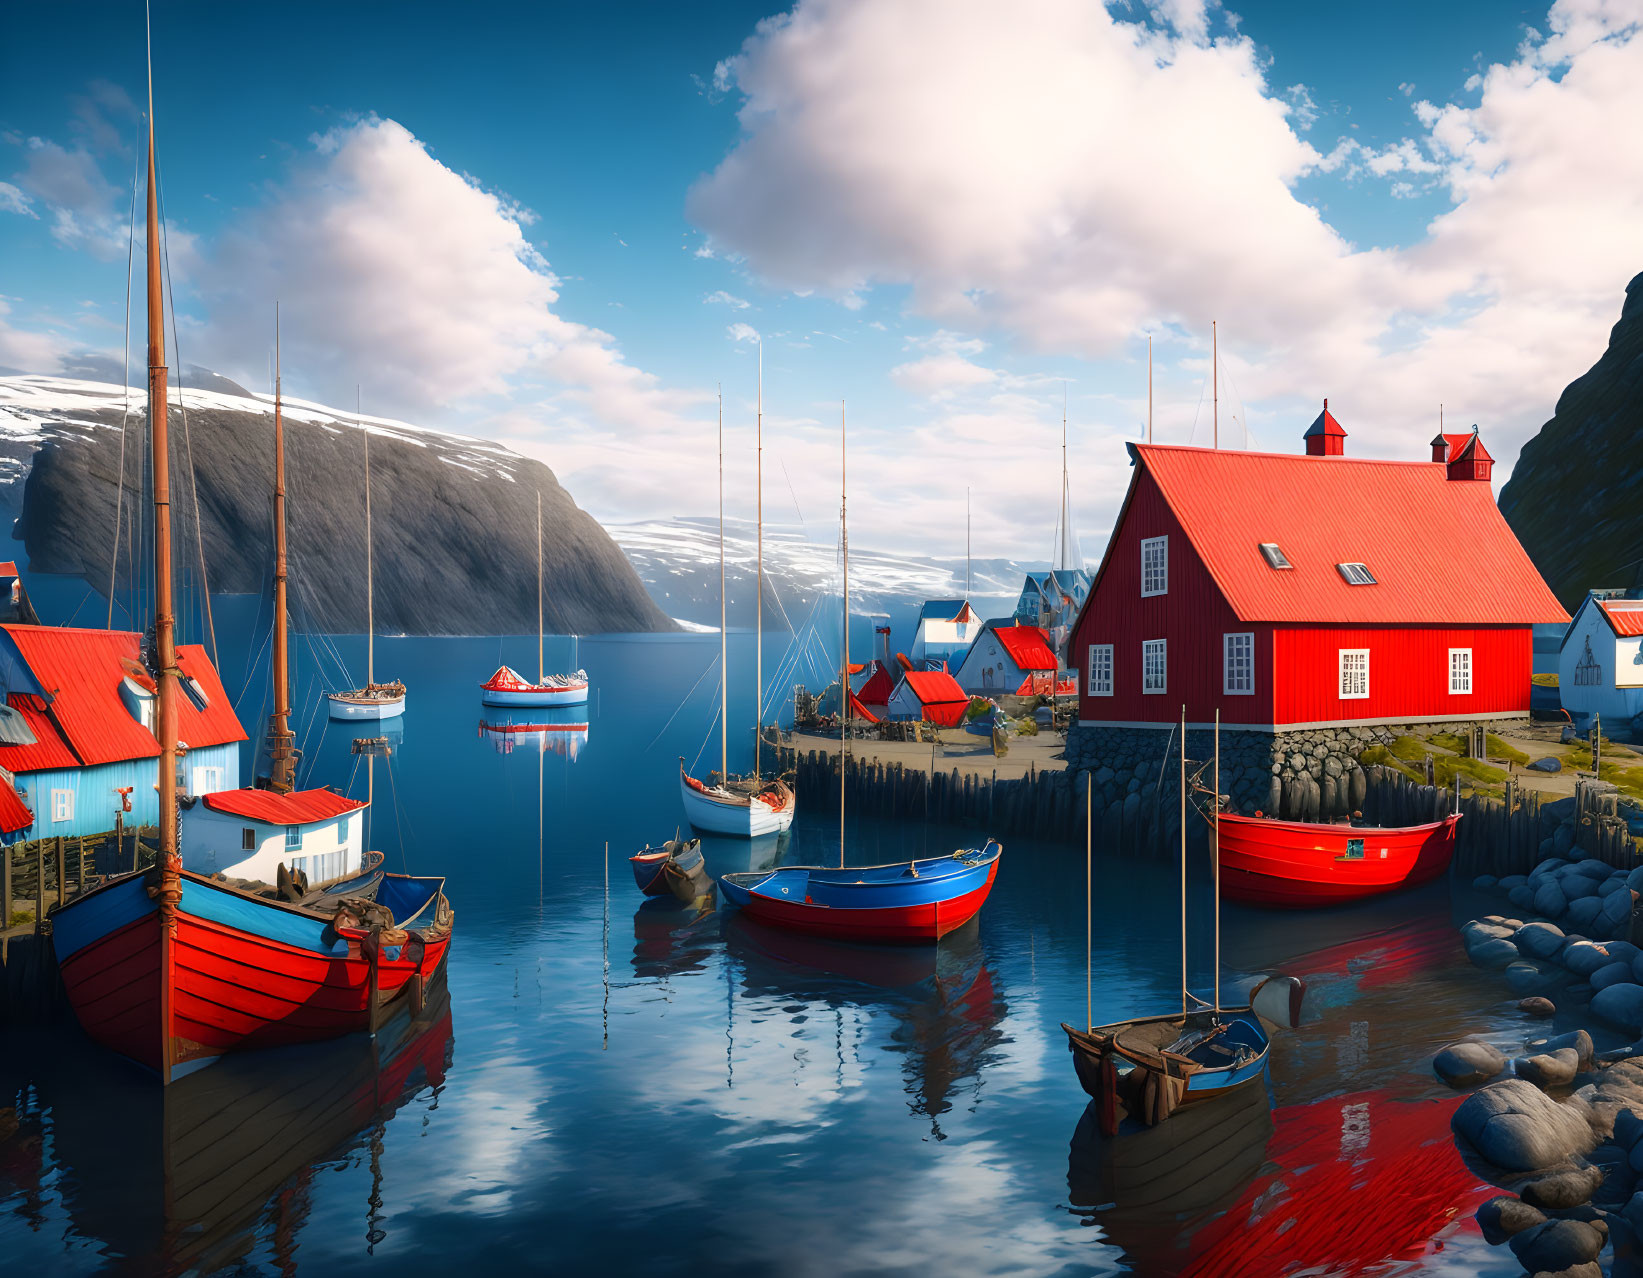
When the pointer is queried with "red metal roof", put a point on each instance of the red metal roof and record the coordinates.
(50, 749)
(14, 814)
(8, 568)
(300, 807)
(80, 671)
(878, 687)
(1027, 646)
(861, 711)
(1439, 551)
(1625, 616)
(934, 687)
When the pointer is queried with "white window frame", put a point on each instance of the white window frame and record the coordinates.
(1349, 691)
(1100, 663)
(208, 779)
(342, 831)
(1460, 663)
(62, 806)
(1160, 648)
(1244, 640)
(293, 832)
(1160, 571)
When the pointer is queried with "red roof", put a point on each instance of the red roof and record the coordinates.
(861, 711)
(878, 687)
(8, 568)
(1439, 551)
(934, 687)
(300, 807)
(1625, 616)
(1027, 646)
(82, 719)
(14, 814)
(1325, 424)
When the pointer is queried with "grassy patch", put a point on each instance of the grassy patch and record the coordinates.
(1379, 754)
(1499, 748)
(1629, 778)
(1544, 680)
(1410, 749)
(978, 706)
(1447, 767)
(1027, 726)
(20, 917)
(1449, 741)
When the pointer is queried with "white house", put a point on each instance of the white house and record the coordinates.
(1004, 657)
(945, 628)
(249, 834)
(1600, 667)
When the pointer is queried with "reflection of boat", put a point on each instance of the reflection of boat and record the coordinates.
(1297, 864)
(675, 869)
(187, 1177)
(670, 938)
(375, 700)
(1144, 1184)
(942, 1000)
(908, 901)
(507, 687)
(546, 731)
(752, 806)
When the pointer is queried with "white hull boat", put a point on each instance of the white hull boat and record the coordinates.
(744, 810)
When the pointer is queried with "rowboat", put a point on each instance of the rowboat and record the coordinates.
(747, 807)
(174, 984)
(909, 901)
(674, 869)
(507, 687)
(1298, 864)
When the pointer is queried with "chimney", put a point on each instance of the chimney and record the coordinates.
(1440, 447)
(881, 635)
(1325, 438)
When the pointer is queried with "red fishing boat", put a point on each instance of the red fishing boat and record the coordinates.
(1300, 864)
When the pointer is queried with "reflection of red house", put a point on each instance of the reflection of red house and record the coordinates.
(931, 695)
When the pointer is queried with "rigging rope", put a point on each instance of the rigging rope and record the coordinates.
(125, 416)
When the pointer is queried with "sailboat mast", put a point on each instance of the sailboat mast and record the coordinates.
(163, 659)
(1063, 564)
(758, 611)
(281, 748)
(1183, 797)
(966, 544)
(844, 673)
(724, 665)
(541, 672)
(1215, 854)
(1215, 382)
(370, 590)
(1149, 388)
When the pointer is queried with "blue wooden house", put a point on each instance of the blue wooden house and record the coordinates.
(77, 746)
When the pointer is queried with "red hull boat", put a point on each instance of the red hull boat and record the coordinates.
(1298, 864)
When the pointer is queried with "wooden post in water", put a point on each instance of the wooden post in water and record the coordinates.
(39, 883)
(80, 882)
(5, 888)
(62, 885)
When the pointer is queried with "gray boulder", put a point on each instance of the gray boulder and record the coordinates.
(1511, 881)
(1484, 881)
(1553, 1069)
(1527, 978)
(1562, 1190)
(1628, 1129)
(1625, 951)
(1550, 900)
(1584, 958)
(1616, 918)
(1548, 764)
(1620, 1005)
(1637, 969)
(1537, 1005)
(1557, 1245)
(1477, 931)
(1522, 896)
(1494, 954)
(1584, 912)
(1468, 1064)
(1614, 883)
(1634, 880)
(1540, 940)
(1614, 974)
(1517, 1127)
(1593, 868)
(1501, 1217)
(1563, 839)
(1578, 1040)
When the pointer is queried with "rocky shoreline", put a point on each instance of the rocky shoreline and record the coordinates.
(1559, 1126)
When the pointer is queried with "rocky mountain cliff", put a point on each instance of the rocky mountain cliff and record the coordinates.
(454, 517)
(1575, 498)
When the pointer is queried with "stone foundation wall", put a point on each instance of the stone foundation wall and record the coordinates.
(1309, 775)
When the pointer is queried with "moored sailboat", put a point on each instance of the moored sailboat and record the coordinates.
(375, 700)
(907, 901)
(173, 968)
(751, 806)
(507, 687)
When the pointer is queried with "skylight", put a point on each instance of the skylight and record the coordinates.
(1275, 558)
(1356, 574)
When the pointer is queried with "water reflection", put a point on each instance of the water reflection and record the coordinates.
(191, 1177)
(670, 939)
(942, 1000)
(539, 731)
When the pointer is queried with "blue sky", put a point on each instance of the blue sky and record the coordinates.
(935, 216)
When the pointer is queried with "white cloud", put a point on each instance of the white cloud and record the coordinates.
(941, 375)
(982, 163)
(29, 351)
(721, 298)
(86, 209)
(740, 332)
(13, 200)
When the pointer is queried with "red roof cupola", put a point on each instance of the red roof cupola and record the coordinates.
(1325, 438)
(1468, 458)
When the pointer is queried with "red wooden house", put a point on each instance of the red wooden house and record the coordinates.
(1316, 590)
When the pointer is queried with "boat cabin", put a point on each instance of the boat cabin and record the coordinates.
(249, 834)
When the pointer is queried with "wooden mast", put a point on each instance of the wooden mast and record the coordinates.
(724, 666)
(1149, 388)
(1215, 854)
(844, 670)
(758, 612)
(1215, 382)
(1183, 798)
(281, 740)
(541, 673)
(370, 592)
(1064, 539)
(163, 656)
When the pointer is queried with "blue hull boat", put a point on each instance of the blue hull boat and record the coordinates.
(907, 901)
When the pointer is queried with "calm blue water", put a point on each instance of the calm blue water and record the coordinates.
(625, 1087)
